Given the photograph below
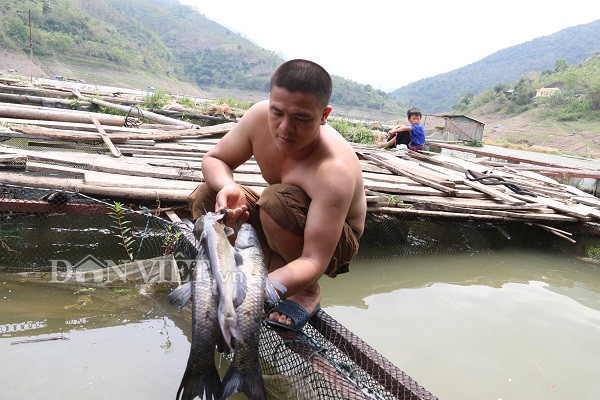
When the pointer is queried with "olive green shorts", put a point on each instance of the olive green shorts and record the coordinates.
(288, 206)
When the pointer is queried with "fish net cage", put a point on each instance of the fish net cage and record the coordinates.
(396, 236)
(41, 228)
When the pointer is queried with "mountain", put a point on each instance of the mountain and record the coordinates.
(441, 92)
(139, 41)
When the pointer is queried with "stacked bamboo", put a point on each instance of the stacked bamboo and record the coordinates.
(162, 163)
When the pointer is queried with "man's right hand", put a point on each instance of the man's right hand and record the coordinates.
(232, 199)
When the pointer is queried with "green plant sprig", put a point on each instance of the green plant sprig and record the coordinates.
(121, 226)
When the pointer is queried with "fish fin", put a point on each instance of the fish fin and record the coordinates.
(234, 328)
(184, 291)
(271, 288)
(230, 329)
(237, 256)
(205, 386)
(250, 383)
(228, 230)
(198, 228)
(240, 288)
(225, 330)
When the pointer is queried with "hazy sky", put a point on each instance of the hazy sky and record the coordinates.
(389, 44)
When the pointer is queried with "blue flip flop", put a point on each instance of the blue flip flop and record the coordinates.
(295, 312)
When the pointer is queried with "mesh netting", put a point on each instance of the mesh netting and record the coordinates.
(39, 226)
(395, 235)
(325, 361)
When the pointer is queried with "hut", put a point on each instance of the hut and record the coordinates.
(550, 89)
(462, 127)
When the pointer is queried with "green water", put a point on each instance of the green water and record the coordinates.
(469, 312)
(496, 325)
(500, 325)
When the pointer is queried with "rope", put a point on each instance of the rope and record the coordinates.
(129, 122)
(497, 180)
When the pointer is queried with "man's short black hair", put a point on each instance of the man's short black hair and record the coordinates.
(413, 111)
(305, 77)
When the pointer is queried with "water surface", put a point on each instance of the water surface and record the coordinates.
(512, 324)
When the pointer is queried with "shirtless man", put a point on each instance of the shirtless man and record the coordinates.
(313, 211)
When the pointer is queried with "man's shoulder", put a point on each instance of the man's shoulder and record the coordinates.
(254, 117)
(259, 108)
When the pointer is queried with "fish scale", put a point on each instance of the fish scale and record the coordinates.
(229, 280)
(200, 377)
(244, 373)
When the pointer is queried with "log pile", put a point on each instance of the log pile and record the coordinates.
(162, 163)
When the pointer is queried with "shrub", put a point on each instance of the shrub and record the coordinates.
(157, 99)
(355, 133)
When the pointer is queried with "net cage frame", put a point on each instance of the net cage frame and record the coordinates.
(325, 360)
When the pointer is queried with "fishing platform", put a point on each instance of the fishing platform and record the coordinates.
(57, 162)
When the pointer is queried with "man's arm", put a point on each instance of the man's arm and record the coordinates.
(231, 151)
(330, 202)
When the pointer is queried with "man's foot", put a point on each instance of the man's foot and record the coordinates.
(308, 299)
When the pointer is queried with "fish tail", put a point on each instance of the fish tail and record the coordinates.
(184, 291)
(250, 383)
(271, 288)
(205, 386)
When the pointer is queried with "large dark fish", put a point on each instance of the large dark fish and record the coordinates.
(230, 281)
(200, 377)
(244, 374)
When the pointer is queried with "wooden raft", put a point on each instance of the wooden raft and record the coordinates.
(162, 164)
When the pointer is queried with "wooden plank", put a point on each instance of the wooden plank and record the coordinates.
(575, 210)
(438, 214)
(496, 155)
(113, 150)
(444, 189)
(42, 206)
(494, 193)
(461, 163)
(77, 185)
(412, 169)
(400, 188)
(37, 113)
(390, 178)
(486, 204)
(499, 213)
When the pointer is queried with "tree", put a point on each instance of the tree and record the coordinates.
(561, 65)
(593, 96)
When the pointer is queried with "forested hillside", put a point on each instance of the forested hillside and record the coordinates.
(441, 92)
(576, 96)
(158, 37)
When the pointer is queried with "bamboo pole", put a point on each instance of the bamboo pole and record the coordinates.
(51, 114)
(159, 135)
(37, 100)
(113, 150)
(76, 185)
(136, 112)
